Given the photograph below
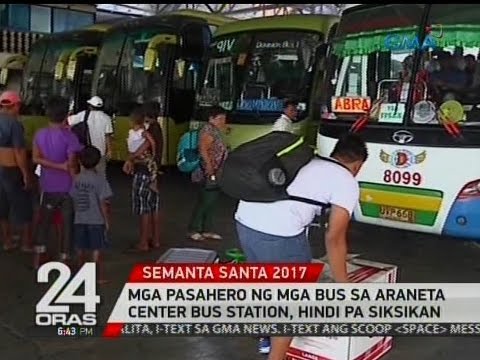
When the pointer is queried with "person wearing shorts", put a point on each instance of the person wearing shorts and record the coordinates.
(57, 219)
(138, 138)
(90, 194)
(55, 148)
(16, 202)
(145, 203)
(145, 200)
(276, 232)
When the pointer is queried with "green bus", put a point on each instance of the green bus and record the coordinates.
(59, 64)
(407, 78)
(255, 64)
(158, 58)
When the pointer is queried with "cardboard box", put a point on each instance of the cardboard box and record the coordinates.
(348, 348)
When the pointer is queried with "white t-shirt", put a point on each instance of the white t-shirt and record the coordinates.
(135, 139)
(99, 125)
(319, 180)
(283, 123)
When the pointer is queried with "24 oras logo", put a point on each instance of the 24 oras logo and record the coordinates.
(53, 309)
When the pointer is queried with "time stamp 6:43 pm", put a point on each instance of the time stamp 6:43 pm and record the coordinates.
(75, 331)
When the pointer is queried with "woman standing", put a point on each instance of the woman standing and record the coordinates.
(213, 153)
(145, 201)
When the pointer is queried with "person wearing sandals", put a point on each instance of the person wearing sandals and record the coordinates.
(213, 153)
(55, 148)
(90, 194)
(145, 201)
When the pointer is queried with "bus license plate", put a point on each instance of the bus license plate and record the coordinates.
(397, 214)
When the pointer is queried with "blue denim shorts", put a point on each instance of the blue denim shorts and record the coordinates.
(259, 247)
(89, 237)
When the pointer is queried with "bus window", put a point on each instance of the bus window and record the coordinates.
(43, 83)
(226, 63)
(137, 86)
(370, 66)
(377, 83)
(105, 77)
(48, 69)
(352, 79)
(218, 86)
(280, 67)
(452, 69)
(83, 81)
(31, 76)
(186, 74)
(182, 98)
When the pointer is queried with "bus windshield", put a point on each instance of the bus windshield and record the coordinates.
(48, 69)
(104, 83)
(120, 78)
(256, 72)
(437, 69)
(32, 71)
(40, 75)
(366, 83)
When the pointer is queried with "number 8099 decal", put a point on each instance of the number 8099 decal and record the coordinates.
(402, 177)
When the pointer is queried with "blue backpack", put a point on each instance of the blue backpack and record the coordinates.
(188, 157)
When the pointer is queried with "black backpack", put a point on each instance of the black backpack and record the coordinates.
(81, 130)
(262, 169)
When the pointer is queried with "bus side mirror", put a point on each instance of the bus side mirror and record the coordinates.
(71, 59)
(180, 68)
(59, 69)
(150, 61)
(3, 76)
(151, 57)
(71, 67)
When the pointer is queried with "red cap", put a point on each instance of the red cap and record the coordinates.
(9, 98)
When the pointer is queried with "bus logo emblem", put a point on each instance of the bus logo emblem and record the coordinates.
(402, 158)
(402, 137)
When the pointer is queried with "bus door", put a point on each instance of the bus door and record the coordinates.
(180, 66)
(159, 64)
(73, 75)
(80, 71)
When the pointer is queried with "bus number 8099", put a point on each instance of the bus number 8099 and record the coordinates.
(402, 177)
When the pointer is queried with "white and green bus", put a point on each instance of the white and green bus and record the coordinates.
(255, 64)
(407, 78)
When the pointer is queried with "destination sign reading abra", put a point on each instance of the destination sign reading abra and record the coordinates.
(54, 308)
